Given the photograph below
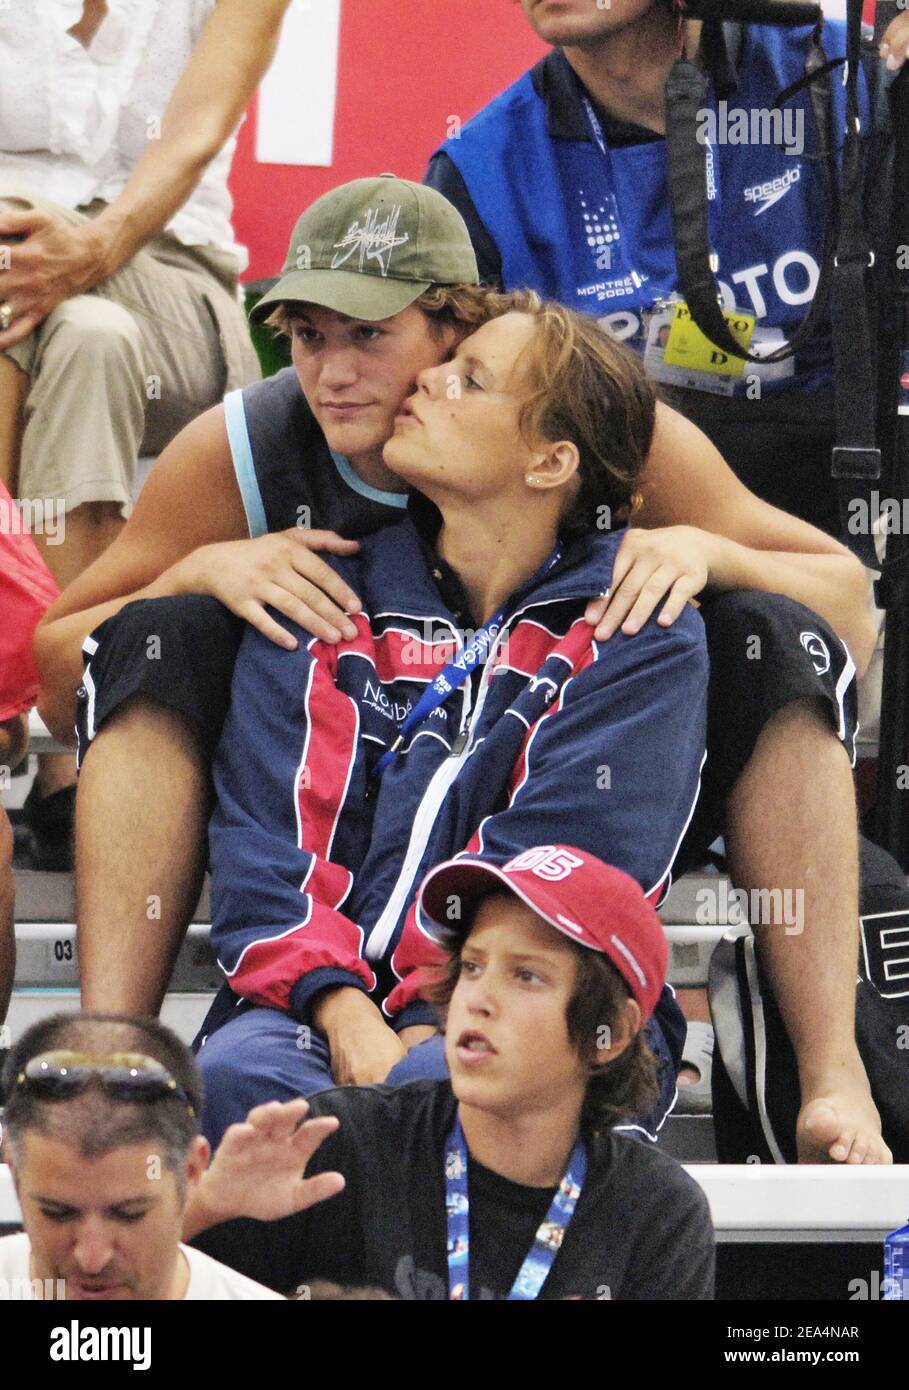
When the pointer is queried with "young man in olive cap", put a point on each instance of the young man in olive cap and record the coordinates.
(231, 520)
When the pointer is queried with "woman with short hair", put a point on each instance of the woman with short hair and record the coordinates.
(473, 709)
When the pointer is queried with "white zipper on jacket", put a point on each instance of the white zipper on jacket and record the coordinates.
(428, 809)
(431, 801)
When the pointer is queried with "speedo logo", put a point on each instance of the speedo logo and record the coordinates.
(710, 166)
(766, 194)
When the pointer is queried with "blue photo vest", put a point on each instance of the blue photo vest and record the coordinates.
(590, 226)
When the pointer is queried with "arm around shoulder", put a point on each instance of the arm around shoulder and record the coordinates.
(751, 544)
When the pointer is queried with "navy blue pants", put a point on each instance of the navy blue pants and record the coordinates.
(262, 1054)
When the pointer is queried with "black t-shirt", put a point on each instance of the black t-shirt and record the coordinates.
(641, 1230)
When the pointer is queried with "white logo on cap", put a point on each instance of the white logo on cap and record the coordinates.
(374, 240)
(547, 862)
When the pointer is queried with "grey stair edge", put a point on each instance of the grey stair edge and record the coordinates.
(49, 896)
(47, 958)
(183, 1012)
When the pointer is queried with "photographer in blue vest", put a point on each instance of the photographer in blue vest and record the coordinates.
(562, 181)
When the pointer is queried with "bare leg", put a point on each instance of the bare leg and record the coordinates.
(791, 823)
(86, 534)
(55, 771)
(13, 744)
(141, 816)
(13, 389)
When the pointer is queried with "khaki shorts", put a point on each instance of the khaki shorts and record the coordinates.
(117, 372)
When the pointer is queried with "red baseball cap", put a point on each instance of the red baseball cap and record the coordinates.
(591, 902)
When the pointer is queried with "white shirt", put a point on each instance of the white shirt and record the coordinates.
(209, 1281)
(75, 121)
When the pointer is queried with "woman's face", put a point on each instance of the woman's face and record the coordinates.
(355, 374)
(458, 433)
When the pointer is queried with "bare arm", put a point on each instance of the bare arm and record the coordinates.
(188, 535)
(191, 499)
(232, 55)
(58, 260)
(742, 542)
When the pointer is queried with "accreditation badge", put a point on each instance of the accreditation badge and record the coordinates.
(677, 353)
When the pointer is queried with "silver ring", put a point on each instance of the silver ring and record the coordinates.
(6, 316)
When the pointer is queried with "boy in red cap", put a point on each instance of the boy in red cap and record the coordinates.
(505, 1182)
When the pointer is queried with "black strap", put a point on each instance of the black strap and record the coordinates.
(856, 457)
(686, 158)
(893, 585)
(892, 589)
(892, 811)
(845, 260)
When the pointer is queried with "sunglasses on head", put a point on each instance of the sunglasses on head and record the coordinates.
(128, 1076)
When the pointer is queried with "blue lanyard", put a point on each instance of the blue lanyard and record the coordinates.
(455, 672)
(712, 159)
(595, 126)
(547, 1241)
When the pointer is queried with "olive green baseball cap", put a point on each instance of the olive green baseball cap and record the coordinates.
(371, 247)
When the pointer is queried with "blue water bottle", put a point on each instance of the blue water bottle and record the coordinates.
(896, 1265)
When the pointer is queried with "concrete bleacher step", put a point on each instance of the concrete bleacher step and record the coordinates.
(48, 900)
(758, 1205)
(689, 1138)
(46, 910)
(696, 914)
(47, 958)
(46, 944)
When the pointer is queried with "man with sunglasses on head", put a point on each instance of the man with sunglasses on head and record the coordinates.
(102, 1138)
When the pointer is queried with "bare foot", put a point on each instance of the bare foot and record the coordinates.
(840, 1124)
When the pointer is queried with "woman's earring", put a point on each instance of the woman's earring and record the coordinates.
(531, 479)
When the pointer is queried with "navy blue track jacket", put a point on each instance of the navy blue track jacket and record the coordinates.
(556, 738)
